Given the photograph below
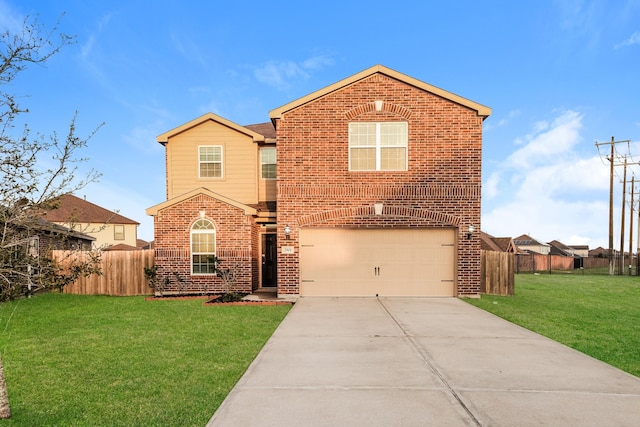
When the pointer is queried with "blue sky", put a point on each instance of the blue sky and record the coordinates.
(559, 76)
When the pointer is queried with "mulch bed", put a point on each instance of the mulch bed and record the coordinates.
(212, 300)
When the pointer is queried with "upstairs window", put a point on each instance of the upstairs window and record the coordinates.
(203, 247)
(118, 232)
(268, 163)
(378, 146)
(210, 161)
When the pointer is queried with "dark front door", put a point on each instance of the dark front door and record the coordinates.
(269, 258)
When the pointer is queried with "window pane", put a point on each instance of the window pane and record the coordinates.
(362, 134)
(393, 134)
(210, 154)
(269, 171)
(203, 224)
(363, 159)
(202, 264)
(203, 242)
(393, 159)
(210, 170)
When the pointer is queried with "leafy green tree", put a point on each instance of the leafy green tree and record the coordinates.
(27, 189)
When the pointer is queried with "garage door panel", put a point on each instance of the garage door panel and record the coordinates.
(387, 262)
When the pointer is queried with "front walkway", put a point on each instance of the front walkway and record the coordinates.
(419, 362)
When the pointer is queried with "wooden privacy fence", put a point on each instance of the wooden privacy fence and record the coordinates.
(497, 273)
(538, 262)
(122, 274)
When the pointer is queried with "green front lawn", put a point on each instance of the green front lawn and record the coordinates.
(123, 361)
(597, 315)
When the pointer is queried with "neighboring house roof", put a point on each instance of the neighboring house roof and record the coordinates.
(164, 138)
(74, 209)
(53, 228)
(599, 251)
(559, 248)
(121, 247)
(153, 210)
(526, 240)
(142, 244)
(499, 244)
(482, 111)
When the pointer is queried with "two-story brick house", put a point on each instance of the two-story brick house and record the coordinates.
(377, 184)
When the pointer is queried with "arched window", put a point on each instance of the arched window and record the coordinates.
(203, 247)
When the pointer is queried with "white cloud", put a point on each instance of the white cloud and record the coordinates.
(546, 189)
(142, 137)
(489, 126)
(10, 20)
(317, 62)
(87, 48)
(490, 187)
(547, 219)
(633, 39)
(188, 48)
(547, 141)
(281, 74)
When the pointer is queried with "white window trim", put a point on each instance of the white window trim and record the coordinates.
(221, 162)
(115, 232)
(192, 253)
(378, 149)
(262, 163)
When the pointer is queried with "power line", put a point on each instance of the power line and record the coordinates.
(612, 165)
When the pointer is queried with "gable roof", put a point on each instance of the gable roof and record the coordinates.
(482, 111)
(559, 248)
(526, 240)
(164, 138)
(57, 229)
(498, 244)
(153, 210)
(75, 209)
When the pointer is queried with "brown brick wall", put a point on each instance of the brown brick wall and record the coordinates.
(236, 245)
(441, 188)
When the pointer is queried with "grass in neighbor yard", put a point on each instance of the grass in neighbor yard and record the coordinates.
(123, 361)
(597, 315)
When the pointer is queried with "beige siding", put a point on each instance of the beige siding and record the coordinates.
(240, 163)
(105, 233)
(267, 190)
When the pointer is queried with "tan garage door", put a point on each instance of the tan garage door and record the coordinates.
(386, 262)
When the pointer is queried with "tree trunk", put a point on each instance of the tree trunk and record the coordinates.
(5, 410)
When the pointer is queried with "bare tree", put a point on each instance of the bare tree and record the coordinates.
(27, 189)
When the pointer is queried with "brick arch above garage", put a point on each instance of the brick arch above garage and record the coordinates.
(392, 216)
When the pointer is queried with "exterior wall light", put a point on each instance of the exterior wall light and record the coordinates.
(470, 232)
(287, 232)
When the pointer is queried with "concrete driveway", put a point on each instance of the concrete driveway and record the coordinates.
(421, 362)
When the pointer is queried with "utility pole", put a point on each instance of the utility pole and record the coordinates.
(624, 197)
(612, 164)
(613, 149)
(633, 178)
